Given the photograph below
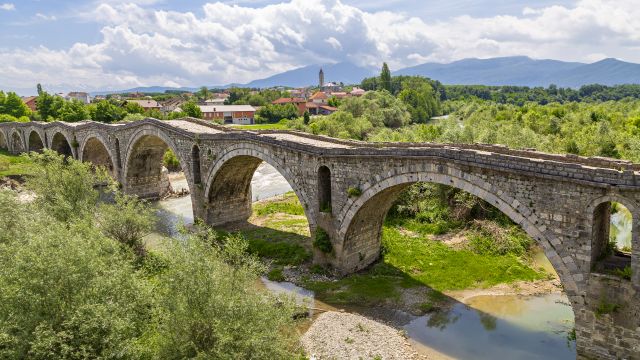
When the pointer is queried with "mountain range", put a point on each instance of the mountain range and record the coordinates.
(513, 70)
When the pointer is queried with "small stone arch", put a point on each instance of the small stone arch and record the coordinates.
(242, 161)
(95, 149)
(35, 141)
(364, 216)
(143, 170)
(61, 144)
(16, 142)
(592, 210)
(4, 144)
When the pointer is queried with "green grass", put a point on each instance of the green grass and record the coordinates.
(281, 125)
(434, 264)
(11, 165)
(281, 252)
(287, 204)
(409, 259)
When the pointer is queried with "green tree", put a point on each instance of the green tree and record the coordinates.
(127, 221)
(306, 117)
(275, 113)
(107, 112)
(422, 102)
(134, 108)
(14, 106)
(190, 108)
(73, 111)
(49, 106)
(385, 78)
(65, 189)
(203, 93)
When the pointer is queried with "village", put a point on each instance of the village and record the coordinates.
(221, 106)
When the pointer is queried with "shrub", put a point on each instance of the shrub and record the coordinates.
(170, 161)
(127, 221)
(276, 274)
(68, 292)
(322, 241)
(624, 273)
(210, 308)
(354, 192)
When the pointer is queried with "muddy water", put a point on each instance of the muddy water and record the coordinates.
(487, 327)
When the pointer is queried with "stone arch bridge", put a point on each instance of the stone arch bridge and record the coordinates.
(560, 201)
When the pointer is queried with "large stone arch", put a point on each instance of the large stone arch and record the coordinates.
(61, 144)
(35, 141)
(228, 185)
(96, 149)
(143, 173)
(4, 144)
(16, 142)
(363, 217)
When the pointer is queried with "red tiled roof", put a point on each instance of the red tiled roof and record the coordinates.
(288, 101)
(319, 95)
(311, 105)
(328, 108)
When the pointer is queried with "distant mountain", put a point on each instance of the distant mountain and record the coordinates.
(345, 72)
(524, 71)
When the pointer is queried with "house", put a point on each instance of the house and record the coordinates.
(83, 97)
(229, 114)
(320, 109)
(339, 95)
(30, 101)
(214, 101)
(357, 91)
(299, 103)
(171, 104)
(331, 87)
(147, 104)
(319, 98)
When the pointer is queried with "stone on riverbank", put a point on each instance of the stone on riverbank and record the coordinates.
(335, 335)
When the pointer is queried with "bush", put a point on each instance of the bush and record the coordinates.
(68, 292)
(488, 238)
(354, 192)
(322, 241)
(210, 308)
(170, 161)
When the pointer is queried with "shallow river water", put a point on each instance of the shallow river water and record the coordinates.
(486, 327)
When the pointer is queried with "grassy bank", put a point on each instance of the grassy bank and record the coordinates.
(412, 257)
(12, 165)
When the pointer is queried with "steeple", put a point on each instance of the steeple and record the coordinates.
(321, 75)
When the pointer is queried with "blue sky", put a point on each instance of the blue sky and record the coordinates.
(113, 44)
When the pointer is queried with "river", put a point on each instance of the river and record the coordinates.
(484, 327)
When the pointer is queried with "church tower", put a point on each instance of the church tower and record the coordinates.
(321, 76)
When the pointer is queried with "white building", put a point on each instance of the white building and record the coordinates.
(229, 114)
(78, 95)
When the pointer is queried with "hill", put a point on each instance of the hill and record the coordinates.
(524, 71)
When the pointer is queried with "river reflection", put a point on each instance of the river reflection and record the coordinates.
(499, 327)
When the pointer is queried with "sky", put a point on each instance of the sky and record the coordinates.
(118, 44)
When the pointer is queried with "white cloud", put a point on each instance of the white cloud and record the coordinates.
(46, 17)
(231, 43)
(7, 6)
